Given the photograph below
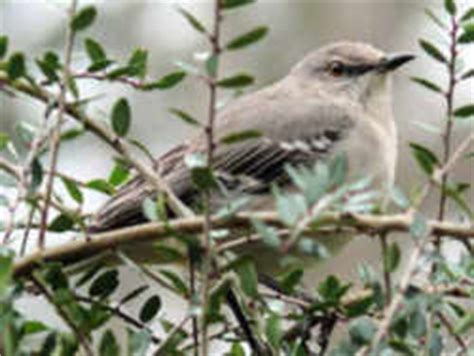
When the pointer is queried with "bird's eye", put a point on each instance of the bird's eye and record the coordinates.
(336, 68)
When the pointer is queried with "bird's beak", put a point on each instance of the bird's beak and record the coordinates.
(393, 61)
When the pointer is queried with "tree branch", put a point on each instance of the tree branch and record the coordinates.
(80, 249)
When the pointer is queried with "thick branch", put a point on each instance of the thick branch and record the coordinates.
(80, 249)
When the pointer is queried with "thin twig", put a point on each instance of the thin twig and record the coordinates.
(386, 272)
(207, 227)
(449, 327)
(393, 307)
(81, 337)
(117, 311)
(56, 134)
(449, 116)
(176, 328)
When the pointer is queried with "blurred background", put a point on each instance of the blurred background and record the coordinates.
(296, 27)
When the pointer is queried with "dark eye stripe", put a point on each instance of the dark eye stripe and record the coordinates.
(355, 70)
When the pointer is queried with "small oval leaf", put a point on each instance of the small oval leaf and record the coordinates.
(166, 82)
(248, 38)
(236, 81)
(149, 310)
(464, 111)
(105, 284)
(84, 18)
(121, 116)
(16, 66)
(433, 51)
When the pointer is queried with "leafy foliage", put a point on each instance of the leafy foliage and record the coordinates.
(282, 317)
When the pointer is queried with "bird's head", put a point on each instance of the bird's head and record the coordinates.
(352, 70)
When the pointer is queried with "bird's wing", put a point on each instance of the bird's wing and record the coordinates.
(293, 132)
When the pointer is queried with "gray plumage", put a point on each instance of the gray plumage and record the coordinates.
(318, 110)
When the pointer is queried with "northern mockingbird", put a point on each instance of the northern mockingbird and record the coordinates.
(336, 99)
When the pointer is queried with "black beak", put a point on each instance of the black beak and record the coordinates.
(392, 62)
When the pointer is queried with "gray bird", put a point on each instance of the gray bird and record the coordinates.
(337, 99)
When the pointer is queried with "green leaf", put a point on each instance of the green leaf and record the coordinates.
(149, 310)
(36, 175)
(104, 285)
(133, 294)
(290, 280)
(89, 273)
(358, 307)
(94, 50)
(119, 174)
(332, 290)
(433, 51)
(313, 248)
(101, 185)
(73, 190)
(138, 342)
(231, 4)
(212, 64)
(450, 7)
(419, 228)
(167, 254)
(4, 139)
(269, 234)
(49, 65)
(236, 350)
(427, 84)
(16, 66)
(3, 46)
(248, 38)
(248, 278)
(150, 210)
(468, 74)
(392, 257)
(435, 19)
(465, 324)
(108, 344)
(204, 178)
(3, 200)
(464, 111)
(71, 134)
(291, 207)
(362, 330)
(468, 34)
(237, 137)
(192, 20)
(121, 117)
(426, 159)
(120, 72)
(166, 82)
(176, 281)
(61, 223)
(273, 330)
(6, 264)
(435, 343)
(232, 207)
(399, 198)
(33, 327)
(84, 18)
(236, 81)
(183, 115)
(100, 65)
(138, 62)
(469, 14)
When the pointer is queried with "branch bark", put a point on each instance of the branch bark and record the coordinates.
(80, 249)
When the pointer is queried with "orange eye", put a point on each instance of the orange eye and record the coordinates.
(336, 68)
